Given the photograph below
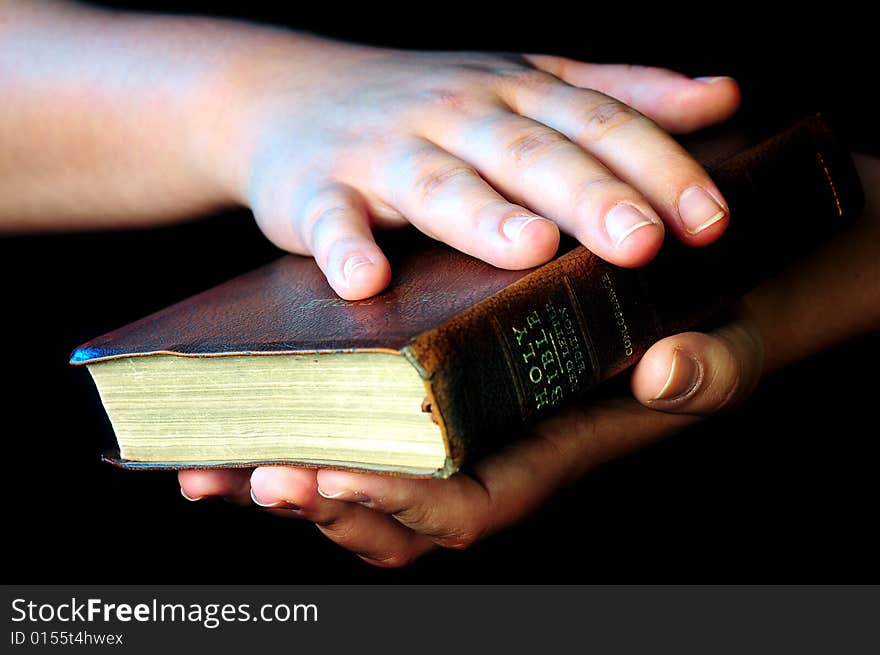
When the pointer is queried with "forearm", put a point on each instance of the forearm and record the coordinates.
(829, 297)
(112, 119)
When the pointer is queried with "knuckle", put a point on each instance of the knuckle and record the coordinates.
(468, 529)
(530, 79)
(473, 526)
(554, 446)
(533, 144)
(446, 100)
(340, 531)
(570, 452)
(459, 540)
(417, 517)
(328, 206)
(742, 365)
(557, 450)
(557, 65)
(729, 385)
(598, 120)
(318, 222)
(434, 180)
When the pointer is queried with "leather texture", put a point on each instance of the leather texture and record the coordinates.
(499, 349)
(287, 306)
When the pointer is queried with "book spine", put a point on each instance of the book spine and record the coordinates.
(525, 351)
(555, 334)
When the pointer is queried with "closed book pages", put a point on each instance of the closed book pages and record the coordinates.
(456, 358)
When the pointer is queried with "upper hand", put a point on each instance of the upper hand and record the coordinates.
(493, 154)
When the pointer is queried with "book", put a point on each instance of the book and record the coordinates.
(456, 358)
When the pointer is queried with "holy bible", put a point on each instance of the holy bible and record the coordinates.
(456, 357)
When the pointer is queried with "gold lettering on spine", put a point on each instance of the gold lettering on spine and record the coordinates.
(549, 346)
(619, 318)
(536, 374)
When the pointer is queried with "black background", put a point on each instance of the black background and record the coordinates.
(782, 490)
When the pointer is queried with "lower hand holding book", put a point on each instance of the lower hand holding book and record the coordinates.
(830, 297)
(390, 521)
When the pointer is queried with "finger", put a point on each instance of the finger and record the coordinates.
(676, 102)
(540, 168)
(231, 484)
(448, 200)
(507, 485)
(452, 513)
(632, 146)
(375, 537)
(295, 490)
(331, 222)
(700, 373)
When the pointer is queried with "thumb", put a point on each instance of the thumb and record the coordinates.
(698, 373)
(674, 101)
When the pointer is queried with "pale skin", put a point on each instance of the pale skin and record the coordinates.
(114, 120)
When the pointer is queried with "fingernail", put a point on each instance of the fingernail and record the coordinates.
(699, 210)
(622, 220)
(189, 498)
(281, 504)
(684, 376)
(348, 495)
(712, 80)
(514, 226)
(352, 264)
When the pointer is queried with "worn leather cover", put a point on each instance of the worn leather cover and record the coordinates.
(288, 307)
(498, 349)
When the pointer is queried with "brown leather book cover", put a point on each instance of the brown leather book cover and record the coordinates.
(498, 349)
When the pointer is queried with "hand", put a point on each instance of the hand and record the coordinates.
(157, 118)
(492, 154)
(391, 521)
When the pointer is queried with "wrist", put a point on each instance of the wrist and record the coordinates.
(224, 122)
(259, 80)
